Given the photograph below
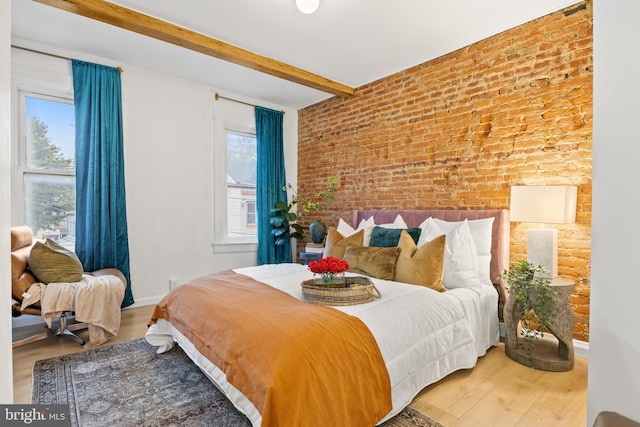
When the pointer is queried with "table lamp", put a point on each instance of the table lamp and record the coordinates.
(546, 204)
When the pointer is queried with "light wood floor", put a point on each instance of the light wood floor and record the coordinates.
(498, 392)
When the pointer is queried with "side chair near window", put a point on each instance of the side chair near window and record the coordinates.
(48, 280)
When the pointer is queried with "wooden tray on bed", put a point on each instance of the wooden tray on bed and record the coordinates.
(355, 290)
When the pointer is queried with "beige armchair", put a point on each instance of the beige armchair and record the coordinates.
(22, 279)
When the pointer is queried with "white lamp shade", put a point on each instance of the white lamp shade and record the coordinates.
(549, 204)
(307, 6)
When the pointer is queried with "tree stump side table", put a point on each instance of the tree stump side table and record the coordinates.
(545, 355)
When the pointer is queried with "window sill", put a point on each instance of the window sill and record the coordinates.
(233, 247)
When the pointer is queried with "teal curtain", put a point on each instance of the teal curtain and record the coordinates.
(271, 179)
(101, 216)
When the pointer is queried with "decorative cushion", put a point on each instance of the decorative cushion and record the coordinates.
(460, 257)
(397, 223)
(389, 237)
(336, 243)
(421, 266)
(51, 262)
(366, 224)
(372, 261)
(481, 232)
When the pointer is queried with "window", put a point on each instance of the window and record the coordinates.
(241, 184)
(46, 166)
(251, 212)
(235, 171)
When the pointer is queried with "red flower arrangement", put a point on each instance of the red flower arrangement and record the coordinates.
(328, 268)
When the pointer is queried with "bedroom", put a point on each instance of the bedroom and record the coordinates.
(174, 169)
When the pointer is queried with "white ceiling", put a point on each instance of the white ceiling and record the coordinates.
(353, 42)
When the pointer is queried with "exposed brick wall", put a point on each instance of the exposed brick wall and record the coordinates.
(458, 131)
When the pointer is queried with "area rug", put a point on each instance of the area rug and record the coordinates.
(129, 384)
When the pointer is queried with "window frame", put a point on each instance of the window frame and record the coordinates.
(241, 120)
(19, 170)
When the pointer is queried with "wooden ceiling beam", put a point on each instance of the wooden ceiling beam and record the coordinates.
(140, 23)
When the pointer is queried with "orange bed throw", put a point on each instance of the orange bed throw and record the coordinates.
(299, 364)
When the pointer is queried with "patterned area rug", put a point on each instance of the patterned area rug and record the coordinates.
(128, 384)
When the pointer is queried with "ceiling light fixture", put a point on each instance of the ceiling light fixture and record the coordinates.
(307, 6)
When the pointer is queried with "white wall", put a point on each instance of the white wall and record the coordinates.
(168, 133)
(614, 345)
(6, 364)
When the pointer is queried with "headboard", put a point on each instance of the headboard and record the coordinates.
(413, 218)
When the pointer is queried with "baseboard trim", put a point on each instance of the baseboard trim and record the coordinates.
(141, 302)
(581, 349)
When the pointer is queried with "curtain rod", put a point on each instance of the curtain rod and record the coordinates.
(218, 97)
(50, 54)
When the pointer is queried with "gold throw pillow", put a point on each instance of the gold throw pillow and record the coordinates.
(336, 243)
(421, 266)
(372, 261)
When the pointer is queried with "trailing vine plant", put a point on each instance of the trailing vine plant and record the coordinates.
(529, 290)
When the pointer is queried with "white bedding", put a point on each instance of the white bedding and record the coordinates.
(423, 335)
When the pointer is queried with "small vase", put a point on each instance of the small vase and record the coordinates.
(317, 231)
(330, 280)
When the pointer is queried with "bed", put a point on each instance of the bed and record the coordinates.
(419, 335)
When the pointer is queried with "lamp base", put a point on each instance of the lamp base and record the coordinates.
(542, 249)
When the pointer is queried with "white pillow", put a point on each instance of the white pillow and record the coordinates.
(397, 223)
(366, 224)
(481, 232)
(460, 257)
(344, 228)
(430, 231)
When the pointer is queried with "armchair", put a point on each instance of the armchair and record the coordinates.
(23, 280)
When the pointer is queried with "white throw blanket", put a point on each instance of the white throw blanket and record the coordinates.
(95, 300)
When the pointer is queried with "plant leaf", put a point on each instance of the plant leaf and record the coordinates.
(280, 206)
(279, 232)
(292, 217)
(277, 221)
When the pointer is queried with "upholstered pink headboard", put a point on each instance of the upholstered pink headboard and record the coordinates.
(413, 218)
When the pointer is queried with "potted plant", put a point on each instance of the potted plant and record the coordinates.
(284, 224)
(530, 290)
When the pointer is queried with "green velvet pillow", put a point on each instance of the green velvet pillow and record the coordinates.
(372, 261)
(388, 237)
(51, 262)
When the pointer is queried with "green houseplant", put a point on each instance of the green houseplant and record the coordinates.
(529, 290)
(283, 223)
